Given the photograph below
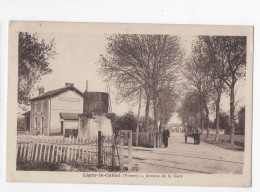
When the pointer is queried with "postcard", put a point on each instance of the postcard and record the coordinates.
(117, 103)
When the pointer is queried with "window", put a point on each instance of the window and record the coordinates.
(42, 106)
(35, 122)
(35, 106)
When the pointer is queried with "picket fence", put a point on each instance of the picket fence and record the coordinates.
(60, 149)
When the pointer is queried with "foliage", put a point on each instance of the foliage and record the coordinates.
(200, 81)
(20, 123)
(189, 110)
(229, 52)
(142, 123)
(128, 121)
(240, 126)
(59, 166)
(33, 63)
(167, 105)
(223, 122)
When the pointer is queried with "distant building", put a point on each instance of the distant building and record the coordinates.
(54, 111)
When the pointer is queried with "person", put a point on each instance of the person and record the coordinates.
(166, 135)
(188, 129)
(196, 134)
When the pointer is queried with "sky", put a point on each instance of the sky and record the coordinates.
(77, 62)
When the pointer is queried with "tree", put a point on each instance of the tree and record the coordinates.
(189, 110)
(127, 121)
(215, 61)
(224, 122)
(199, 80)
(231, 51)
(147, 61)
(167, 105)
(33, 63)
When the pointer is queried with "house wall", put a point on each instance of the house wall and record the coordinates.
(67, 102)
(39, 111)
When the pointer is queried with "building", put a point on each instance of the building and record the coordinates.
(95, 116)
(27, 121)
(54, 112)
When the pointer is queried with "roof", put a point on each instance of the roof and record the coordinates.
(57, 92)
(69, 116)
(27, 113)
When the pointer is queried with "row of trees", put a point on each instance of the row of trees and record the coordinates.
(214, 67)
(145, 67)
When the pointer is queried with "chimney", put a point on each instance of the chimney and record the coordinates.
(69, 84)
(86, 86)
(41, 90)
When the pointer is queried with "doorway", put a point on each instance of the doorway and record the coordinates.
(61, 127)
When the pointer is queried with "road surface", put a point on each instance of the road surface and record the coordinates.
(188, 158)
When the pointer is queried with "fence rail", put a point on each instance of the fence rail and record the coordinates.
(58, 149)
(103, 150)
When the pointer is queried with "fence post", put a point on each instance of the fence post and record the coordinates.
(136, 137)
(113, 151)
(130, 154)
(121, 155)
(99, 149)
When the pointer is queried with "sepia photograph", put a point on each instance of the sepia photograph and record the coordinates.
(129, 103)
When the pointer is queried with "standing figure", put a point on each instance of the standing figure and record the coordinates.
(188, 130)
(166, 135)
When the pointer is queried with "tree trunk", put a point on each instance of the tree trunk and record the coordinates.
(161, 127)
(217, 117)
(155, 113)
(138, 116)
(232, 112)
(201, 119)
(147, 109)
(207, 118)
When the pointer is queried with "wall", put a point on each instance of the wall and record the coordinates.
(88, 128)
(39, 112)
(70, 124)
(67, 102)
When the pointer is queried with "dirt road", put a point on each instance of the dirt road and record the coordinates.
(188, 158)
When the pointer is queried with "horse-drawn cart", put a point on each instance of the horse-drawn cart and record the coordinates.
(193, 132)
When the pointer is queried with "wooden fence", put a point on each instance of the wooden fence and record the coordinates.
(100, 151)
(59, 149)
(146, 139)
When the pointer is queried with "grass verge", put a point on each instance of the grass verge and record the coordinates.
(224, 141)
(58, 166)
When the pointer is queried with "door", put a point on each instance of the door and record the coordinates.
(27, 127)
(42, 125)
(61, 127)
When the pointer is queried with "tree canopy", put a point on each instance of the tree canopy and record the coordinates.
(140, 61)
(33, 63)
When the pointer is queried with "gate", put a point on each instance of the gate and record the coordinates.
(111, 150)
